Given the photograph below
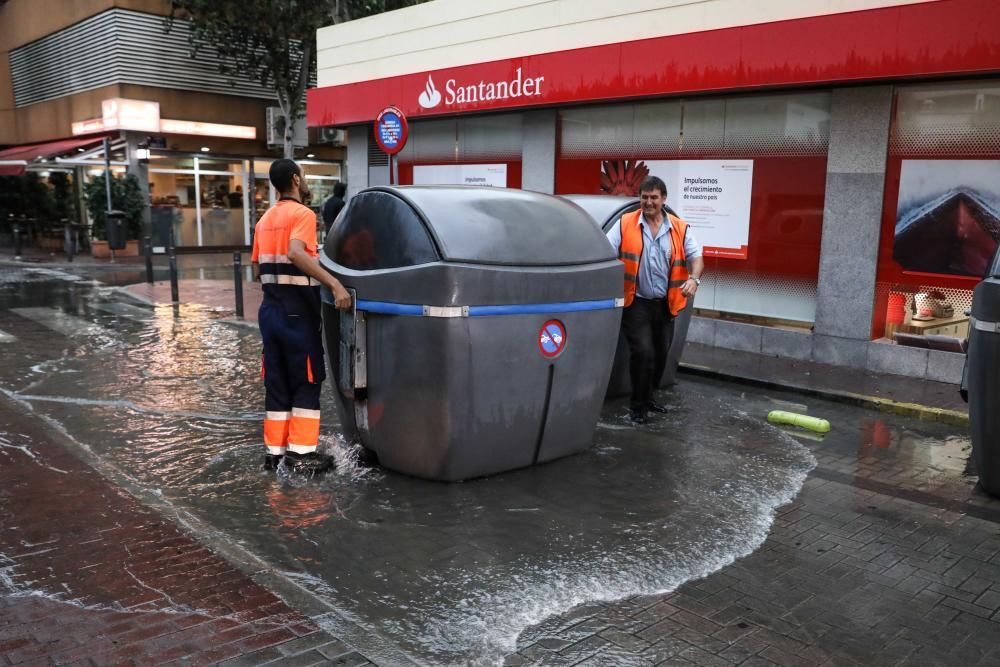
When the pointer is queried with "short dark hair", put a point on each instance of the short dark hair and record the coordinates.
(339, 188)
(281, 173)
(653, 183)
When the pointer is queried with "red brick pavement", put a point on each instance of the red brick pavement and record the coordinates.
(88, 575)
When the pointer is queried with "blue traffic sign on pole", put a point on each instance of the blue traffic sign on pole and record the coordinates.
(391, 130)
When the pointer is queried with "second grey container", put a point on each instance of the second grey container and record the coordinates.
(606, 210)
(484, 331)
(982, 379)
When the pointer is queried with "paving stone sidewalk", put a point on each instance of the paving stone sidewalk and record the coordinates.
(890, 555)
(89, 576)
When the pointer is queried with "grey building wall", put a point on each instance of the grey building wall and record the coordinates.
(357, 159)
(538, 157)
(852, 212)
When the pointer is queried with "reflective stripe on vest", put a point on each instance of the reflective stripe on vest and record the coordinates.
(630, 253)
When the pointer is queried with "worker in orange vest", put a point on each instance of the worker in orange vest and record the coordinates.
(663, 267)
(293, 368)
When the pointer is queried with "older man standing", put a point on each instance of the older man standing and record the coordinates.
(663, 267)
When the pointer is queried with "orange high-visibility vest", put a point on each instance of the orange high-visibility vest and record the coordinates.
(630, 252)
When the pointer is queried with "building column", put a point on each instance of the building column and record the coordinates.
(538, 155)
(852, 220)
(141, 171)
(356, 165)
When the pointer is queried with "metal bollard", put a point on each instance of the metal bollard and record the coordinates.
(238, 282)
(70, 240)
(17, 241)
(149, 259)
(174, 296)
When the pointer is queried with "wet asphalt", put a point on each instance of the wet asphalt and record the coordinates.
(445, 573)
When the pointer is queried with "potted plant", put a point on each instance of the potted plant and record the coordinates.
(126, 196)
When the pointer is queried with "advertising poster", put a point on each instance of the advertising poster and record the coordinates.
(713, 196)
(493, 175)
(948, 216)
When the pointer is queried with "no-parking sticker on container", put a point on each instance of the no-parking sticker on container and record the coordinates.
(552, 338)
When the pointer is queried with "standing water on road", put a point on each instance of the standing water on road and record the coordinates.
(449, 573)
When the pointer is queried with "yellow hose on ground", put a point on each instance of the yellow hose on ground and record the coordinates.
(802, 421)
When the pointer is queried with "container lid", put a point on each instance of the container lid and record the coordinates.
(482, 225)
(604, 209)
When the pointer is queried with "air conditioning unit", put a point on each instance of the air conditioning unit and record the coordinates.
(275, 126)
(333, 135)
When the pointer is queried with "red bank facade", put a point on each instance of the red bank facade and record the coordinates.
(839, 159)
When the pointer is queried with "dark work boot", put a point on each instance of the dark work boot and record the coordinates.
(271, 461)
(308, 465)
(653, 406)
(637, 415)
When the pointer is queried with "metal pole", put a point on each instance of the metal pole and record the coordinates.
(149, 259)
(174, 296)
(393, 170)
(17, 241)
(238, 282)
(107, 191)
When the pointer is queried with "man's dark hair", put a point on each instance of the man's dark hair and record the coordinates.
(281, 173)
(653, 183)
(339, 189)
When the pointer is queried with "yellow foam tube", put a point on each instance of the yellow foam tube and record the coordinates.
(802, 421)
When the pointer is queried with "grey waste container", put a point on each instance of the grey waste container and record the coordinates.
(484, 328)
(982, 378)
(116, 230)
(606, 210)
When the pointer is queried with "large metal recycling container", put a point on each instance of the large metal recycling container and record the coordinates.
(606, 211)
(484, 331)
(982, 379)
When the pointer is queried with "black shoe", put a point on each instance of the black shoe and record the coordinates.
(637, 416)
(271, 461)
(309, 464)
(657, 407)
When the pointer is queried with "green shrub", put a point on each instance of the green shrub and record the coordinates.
(126, 196)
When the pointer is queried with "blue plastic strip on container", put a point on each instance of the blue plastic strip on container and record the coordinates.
(535, 308)
(389, 308)
(386, 308)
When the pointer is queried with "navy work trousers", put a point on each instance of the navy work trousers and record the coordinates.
(293, 370)
(649, 329)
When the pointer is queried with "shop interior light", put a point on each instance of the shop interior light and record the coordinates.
(310, 155)
(142, 154)
(79, 150)
(205, 149)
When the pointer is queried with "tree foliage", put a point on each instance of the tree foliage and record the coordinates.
(271, 41)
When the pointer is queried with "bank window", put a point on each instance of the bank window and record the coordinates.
(747, 172)
(941, 212)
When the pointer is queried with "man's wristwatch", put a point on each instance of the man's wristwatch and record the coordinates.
(696, 281)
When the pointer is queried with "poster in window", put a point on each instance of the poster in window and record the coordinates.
(712, 196)
(948, 216)
(492, 175)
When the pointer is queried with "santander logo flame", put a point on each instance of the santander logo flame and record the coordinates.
(430, 98)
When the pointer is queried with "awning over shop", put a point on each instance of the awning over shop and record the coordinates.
(15, 160)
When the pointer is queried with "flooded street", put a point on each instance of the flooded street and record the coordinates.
(446, 573)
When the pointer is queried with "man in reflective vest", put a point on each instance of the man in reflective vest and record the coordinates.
(663, 266)
(284, 257)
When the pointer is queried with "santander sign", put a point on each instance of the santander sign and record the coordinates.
(481, 91)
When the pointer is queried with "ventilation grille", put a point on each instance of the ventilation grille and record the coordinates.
(376, 158)
(795, 124)
(120, 47)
